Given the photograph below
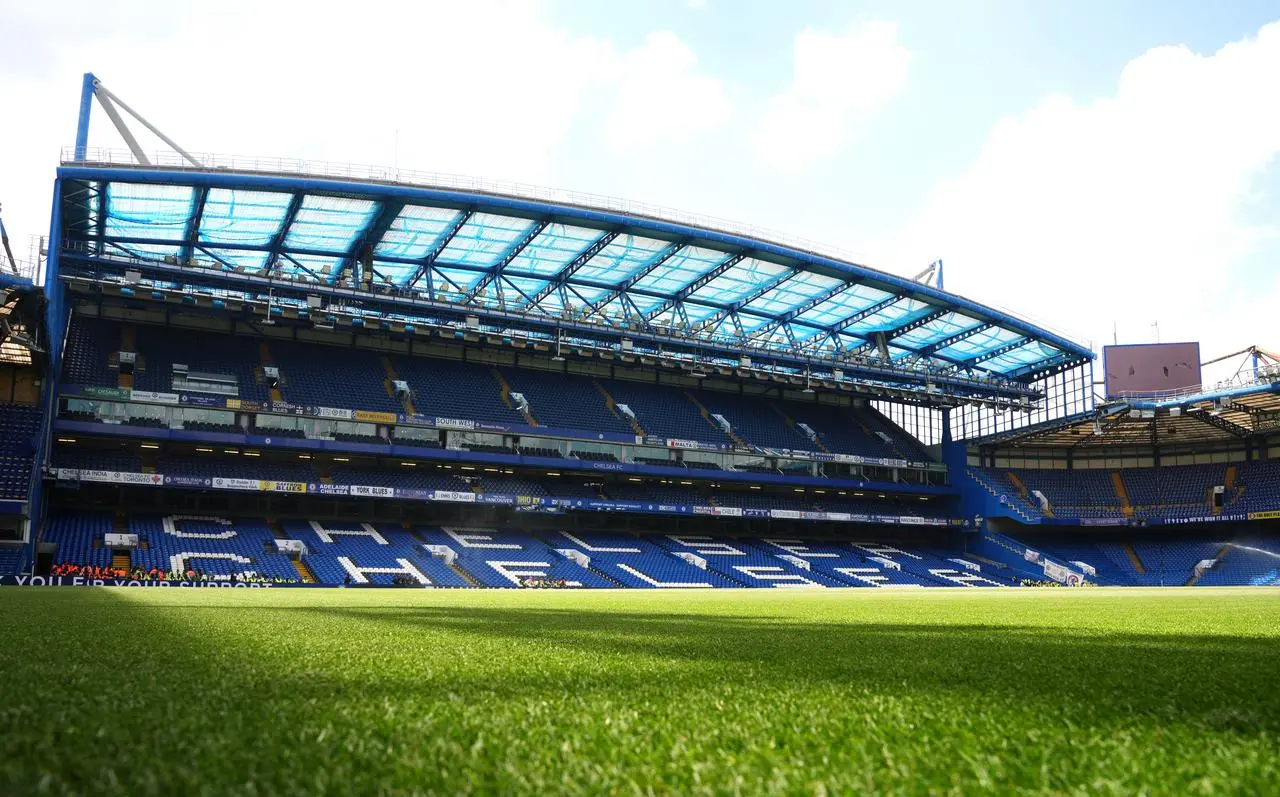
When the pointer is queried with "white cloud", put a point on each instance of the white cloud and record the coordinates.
(490, 87)
(1132, 208)
(660, 95)
(839, 83)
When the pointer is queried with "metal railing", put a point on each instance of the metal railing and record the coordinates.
(212, 162)
(1264, 375)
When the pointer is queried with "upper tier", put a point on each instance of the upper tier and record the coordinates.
(325, 376)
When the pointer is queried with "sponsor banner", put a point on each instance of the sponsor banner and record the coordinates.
(224, 483)
(415, 494)
(451, 423)
(106, 392)
(284, 487)
(332, 412)
(328, 489)
(110, 476)
(187, 481)
(153, 397)
(1272, 515)
(375, 417)
(371, 491)
(81, 581)
(1062, 575)
(202, 400)
(454, 496)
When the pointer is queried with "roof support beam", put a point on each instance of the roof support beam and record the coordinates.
(430, 259)
(369, 237)
(495, 272)
(951, 340)
(193, 223)
(1218, 422)
(574, 266)
(1016, 343)
(893, 332)
(277, 240)
(626, 285)
(796, 312)
(677, 299)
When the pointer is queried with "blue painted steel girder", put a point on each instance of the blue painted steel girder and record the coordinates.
(425, 264)
(495, 271)
(239, 283)
(193, 223)
(996, 352)
(377, 227)
(587, 216)
(563, 276)
(277, 241)
(676, 300)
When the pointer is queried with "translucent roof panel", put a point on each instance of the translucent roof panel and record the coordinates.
(750, 323)
(621, 259)
(697, 313)
(936, 330)
(980, 343)
(329, 223)
(416, 231)
(249, 218)
(484, 239)
(792, 292)
(553, 249)
(1032, 352)
(153, 212)
(682, 268)
(844, 304)
(740, 281)
(903, 311)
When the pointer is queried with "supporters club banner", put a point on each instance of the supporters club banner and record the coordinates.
(201, 400)
(81, 581)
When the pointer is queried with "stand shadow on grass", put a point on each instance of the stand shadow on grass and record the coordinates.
(320, 698)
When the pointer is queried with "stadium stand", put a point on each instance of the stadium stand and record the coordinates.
(18, 426)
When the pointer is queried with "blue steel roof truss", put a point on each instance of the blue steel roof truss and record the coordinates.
(802, 302)
(496, 271)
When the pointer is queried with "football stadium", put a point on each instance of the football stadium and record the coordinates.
(337, 479)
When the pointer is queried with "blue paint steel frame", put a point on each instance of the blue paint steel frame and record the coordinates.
(591, 217)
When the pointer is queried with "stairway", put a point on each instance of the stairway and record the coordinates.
(978, 477)
(612, 405)
(264, 357)
(390, 369)
(505, 388)
(1117, 484)
(706, 416)
(1219, 556)
(122, 560)
(277, 530)
(1134, 560)
(817, 441)
(303, 569)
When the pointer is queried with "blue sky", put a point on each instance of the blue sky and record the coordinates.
(1086, 164)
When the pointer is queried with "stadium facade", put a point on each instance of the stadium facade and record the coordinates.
(285, 371)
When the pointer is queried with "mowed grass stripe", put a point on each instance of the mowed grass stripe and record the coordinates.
(380, 691)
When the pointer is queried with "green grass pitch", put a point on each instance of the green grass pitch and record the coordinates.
(251, 692)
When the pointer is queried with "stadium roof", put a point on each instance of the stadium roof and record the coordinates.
(545, 259)
(1225, 415)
